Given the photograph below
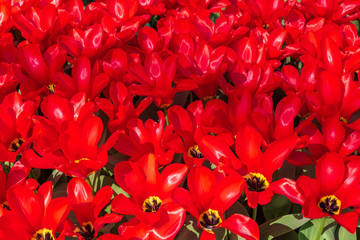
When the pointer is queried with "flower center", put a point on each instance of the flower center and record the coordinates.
(43, 234)
(15, 144)
(330, 204)
(256, 182)
(51, 88)
(5, 205)
(87, 231)
(195, 152)
(151, 204)
(209, 220)
(81, 159)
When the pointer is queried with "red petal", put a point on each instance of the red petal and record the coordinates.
(347, 220)
(123, 205)
(101, 199)
(331, 56)
(287, 187)
(205, 235)
(330, 171)
(329, 88)
(129, 177)
(184, 198)
(34, 64)
(45, 194)
(79, 191)
(56, 212)
(202, 183)
(24, 203)
(228, 190)
(285, 113)
(108, 218)
(172, 176)
(333, 133)
(242, 226)
(81, 73)
(18, 173)
(56, 109)
(148, 38)
(248, 142)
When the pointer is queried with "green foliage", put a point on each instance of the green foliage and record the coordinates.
(281, 225)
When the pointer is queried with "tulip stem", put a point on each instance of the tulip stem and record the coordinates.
(90, 184)
(321, 228)
(191, 96)
(254, 213)
(32, 174)
(166, 117)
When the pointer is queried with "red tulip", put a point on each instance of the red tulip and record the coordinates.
(207, 199)
(16, 176)
(156, 79)
(36, 77)
(38, 214)
(35, 23)
(157, 216)
(260, 165)
(85, 78)
(87, 208)
(143, 138)
(333, 190)
(15, 126)
(185, 123)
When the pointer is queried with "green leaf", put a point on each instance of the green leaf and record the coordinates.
(287, 236)
(279, 206)
(282, 225)
(234, 236)
(237, 207)
(344, 234)
(118, 190)
(310, 230)
(190, 229)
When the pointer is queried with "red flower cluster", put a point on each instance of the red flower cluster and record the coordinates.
(188, 106)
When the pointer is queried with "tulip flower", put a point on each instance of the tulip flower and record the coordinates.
(156, 79)
(15, 126)
(38, 215)
(156, 215)
(87, 208)
(185, 123)
(333, 190)
(207, 199)
(146, 138)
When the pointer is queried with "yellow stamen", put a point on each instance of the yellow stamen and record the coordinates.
(330, 204)
(151, 204)
(43, 234)
(256, 182)
(81, 159)
(209, 220)
(15, 144)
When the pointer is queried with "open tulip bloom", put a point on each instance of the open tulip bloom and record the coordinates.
(171, 120)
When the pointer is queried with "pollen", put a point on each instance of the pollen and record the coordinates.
(43, 234)
(15, 144)
(87, 231)
(343, 119)
(5, 205)
(195, 152)
(51, 88)
(330, 204)
(210, 219)
(151, 204)
(256, 182)
(81, 159)
(207, 98)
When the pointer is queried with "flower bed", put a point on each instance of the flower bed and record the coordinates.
(164, 119)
